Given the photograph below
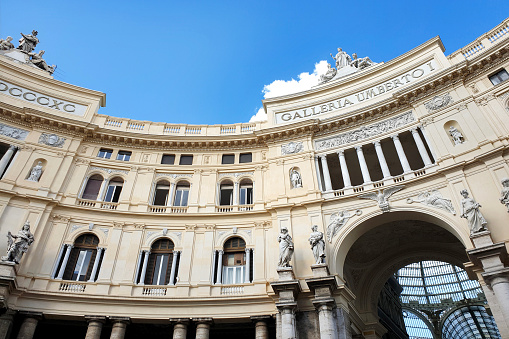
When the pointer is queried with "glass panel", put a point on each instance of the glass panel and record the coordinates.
(228, 274)
(164, 268)
(109, 193)
(243, 194)
(168, 159)
(239, 274)
(79, 263)
(84, 266)
(185, 196)
(157, 270)
(116, 194)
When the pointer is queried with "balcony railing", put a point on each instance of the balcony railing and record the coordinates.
(101, 204)
(234, 208)
(154, 291)
(168, 209)
(232, 290)
(72, 287)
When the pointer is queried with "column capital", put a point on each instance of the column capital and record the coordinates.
(13, 147)
(124, 320)
(413, 130)
(203, 320)
(180, 320)
(322, 156)
(377, 143)
(256, 318)
(358, 148)
(341, 152)
(220, 252)
(395, 137)
(70, 246)
(97, 318)
(247, 249)
(30, 314)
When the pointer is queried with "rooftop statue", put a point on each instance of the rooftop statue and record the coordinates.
(361, 63)
(28, 42)
(331, 73)
(38, 61)
(18, 244)
(6, 44)
(342, 59)
(345, 65)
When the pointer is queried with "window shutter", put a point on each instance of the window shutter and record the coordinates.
(91, 265)
(149, 275)
(71, 263)
(168, 271)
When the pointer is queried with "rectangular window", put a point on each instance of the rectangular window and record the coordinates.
(124, 155)
(105, 153)
(168, 159)
(181, 197)
(246, 157)
(499, 77)
(186, 160)
(81, 267)
(226, 196)
(160, 269)
(92, 189)
(228, 159)
(112, 193)
(246, 195)
(233, 275)
(161, 195)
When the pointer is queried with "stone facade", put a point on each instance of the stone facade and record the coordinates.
(132, 206)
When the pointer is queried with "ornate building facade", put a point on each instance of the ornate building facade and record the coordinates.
(140, 228)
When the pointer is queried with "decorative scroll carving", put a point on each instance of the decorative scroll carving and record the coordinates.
(105, 231)
(292, 147)
(108, 170)
(13, 132)
(381, 197)
(173, 175)
(51, 140)
(236, 175)
(435, 199)
(178, 234)
(366, 132)
(439, 101)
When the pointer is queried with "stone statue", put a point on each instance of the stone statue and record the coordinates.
(456, 135)
(285, 248)
(331, 73)
(342, 59)
(382, 196)
(470, 211)
(337, 221)
(361, 63)
(504, 199)
(317, 245)
(28, 42)
(18, 244)
(435, 199)
(38, 61)
(6, 44)
(295, 179)
(36, 172)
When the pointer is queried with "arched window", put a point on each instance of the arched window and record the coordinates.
(161, 193)
(181, 194)
(113, 190)
(234, 261)
(92, 188)
(226, 193)
(82, 258)
(246, 192)
(159, 263)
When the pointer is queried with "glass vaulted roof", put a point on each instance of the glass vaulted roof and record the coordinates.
(436, 289)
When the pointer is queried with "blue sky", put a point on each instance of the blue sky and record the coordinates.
(207, 62)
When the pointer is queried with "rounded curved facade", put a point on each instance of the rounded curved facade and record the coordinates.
(153, 228)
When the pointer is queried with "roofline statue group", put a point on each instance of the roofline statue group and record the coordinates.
(343, 60)
(27, 45)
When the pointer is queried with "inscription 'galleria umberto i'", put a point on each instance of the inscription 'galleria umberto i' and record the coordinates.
(359, 97)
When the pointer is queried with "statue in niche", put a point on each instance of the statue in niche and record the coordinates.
(361, 63)
(38, 61)
(317, 245)
(331, 73)
(6, 44)
(456, 135)
(504, 199)
(295, 179)
(382, 196)
(342, 59)
(337, 221)
(28, 42)
(470, 210)
(435, 199)
(285, 248)
(18, 244)
(36, 172)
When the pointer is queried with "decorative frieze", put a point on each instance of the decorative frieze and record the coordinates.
(438, 102)
(13, 132)
(174, 175)
(108, 170)
(292, 148)
(51, 140)
(366, 132)
(235, 175)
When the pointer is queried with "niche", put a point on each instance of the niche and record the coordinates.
(36, 170)
(454, 132)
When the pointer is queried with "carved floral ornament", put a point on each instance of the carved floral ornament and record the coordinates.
(107, 170)
(438, 102)
(366, 132)
(235, 175)
(174, 175)
(51, 140)
(292, 148)
(13, 132)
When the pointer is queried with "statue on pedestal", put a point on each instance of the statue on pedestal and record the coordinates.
(285, 248)
(28, 42)
(18, 244)
(456, 135)
(317, 245)
(504, 199)
(470, 210)
(36, 172)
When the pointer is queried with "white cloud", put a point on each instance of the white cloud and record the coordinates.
(282, 87)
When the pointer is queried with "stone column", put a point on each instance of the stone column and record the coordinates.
(278, 326)
(288, 330)
(381, 159)
(173, 267)
(364, 167)
(401, 155)
(29, 324)
(6, 321)
(421, 148)
(119, 327)
(6, 158)
(202, 327)
(326, 321)
(144, 267)
(261, 329)
(219, 272)
(235, 194)
(96, 264)
(95, 326)
(248, 266)
(500, 285)
(64, 262)
(180, 328)
(425, 135)
(169, 199)
(318, 174)
(326, 174)
(344, 169)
